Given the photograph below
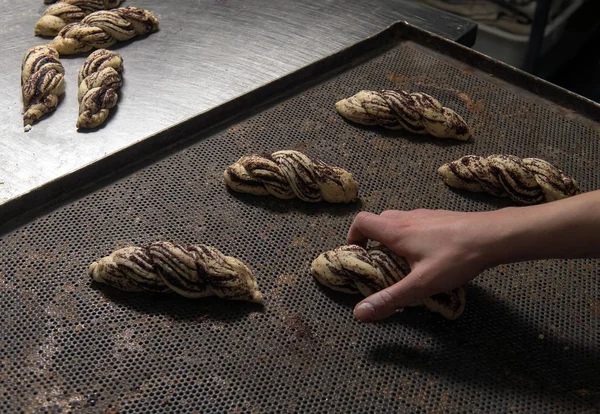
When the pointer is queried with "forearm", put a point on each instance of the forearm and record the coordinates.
(568, 228)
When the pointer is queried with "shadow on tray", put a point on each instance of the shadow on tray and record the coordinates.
(493, 346)
(417, 139)
(494, 203)
(276, 205)
(179, 307)
(344, 299)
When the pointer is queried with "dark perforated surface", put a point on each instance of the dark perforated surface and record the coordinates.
(528, 340)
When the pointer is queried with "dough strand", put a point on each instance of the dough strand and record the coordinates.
(526, 181)
(352, 269)
(288, 174)
(195, 271)
(418, 113)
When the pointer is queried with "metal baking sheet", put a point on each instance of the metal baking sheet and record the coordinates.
(206, 53)
(527, 342)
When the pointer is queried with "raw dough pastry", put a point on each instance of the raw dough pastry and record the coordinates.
(195, 271)
(42, 83)
(99, 80)
(289, 174)
(352, 269)
(64, 12)
(525, 181)
(103, 29)
(396, 109)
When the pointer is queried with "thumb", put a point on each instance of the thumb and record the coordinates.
(382, 304)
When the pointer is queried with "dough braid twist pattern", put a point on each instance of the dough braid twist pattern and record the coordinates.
(99, 80)
(195, 271)
(418, 113)
(288, 174)
(352, 269)
(525, 181)
(42, 83)
(104, 28)
(64, 12)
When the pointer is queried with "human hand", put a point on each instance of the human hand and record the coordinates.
(445, 249)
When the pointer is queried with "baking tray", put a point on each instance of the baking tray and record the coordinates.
(528, 340)
(209, 51)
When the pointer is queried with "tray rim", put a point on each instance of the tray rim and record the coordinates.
(61, 190)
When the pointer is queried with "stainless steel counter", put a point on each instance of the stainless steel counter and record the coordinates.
(205, 53)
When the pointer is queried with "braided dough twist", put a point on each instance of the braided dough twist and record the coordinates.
(64, 12)
(289, 174)
(42, 83)
(99, 80)
(352, 269)
(103, 29)
(195, 271)
(525, 181)
(396, 109)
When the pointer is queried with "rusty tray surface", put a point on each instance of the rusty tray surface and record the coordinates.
(528, 340)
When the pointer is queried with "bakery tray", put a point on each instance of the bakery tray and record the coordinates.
(529, 337)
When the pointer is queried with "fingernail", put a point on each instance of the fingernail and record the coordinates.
(364, 312)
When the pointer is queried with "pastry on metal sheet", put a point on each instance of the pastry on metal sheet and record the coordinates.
(58, 15)
(419, 113)
(194, 271)
(352, 269)
(42, 83)
(525, 181)
(288, 174)
(104, 28)
(99, 80)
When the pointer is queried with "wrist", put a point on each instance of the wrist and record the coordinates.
(503, 232)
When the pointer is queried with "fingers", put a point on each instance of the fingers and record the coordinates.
(382, 304)
(369, 226)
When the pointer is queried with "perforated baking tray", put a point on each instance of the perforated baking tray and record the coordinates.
(528, 340)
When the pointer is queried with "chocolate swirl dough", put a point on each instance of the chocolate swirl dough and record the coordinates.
(42, 83)
(395, 109)
(99, 80)
(195, 271)
(525, 181)
(64, 12)
(289, 174)
(103, 29)
(352, 269)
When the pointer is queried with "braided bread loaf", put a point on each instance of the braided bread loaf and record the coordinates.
(195, 271)
(352, 269)
(289, 174)
(64, 12)
(99, 80)
(395, 109)
(42, 83)
(103, 29)
(525, 181)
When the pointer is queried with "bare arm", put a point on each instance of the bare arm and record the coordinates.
(446, 249)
